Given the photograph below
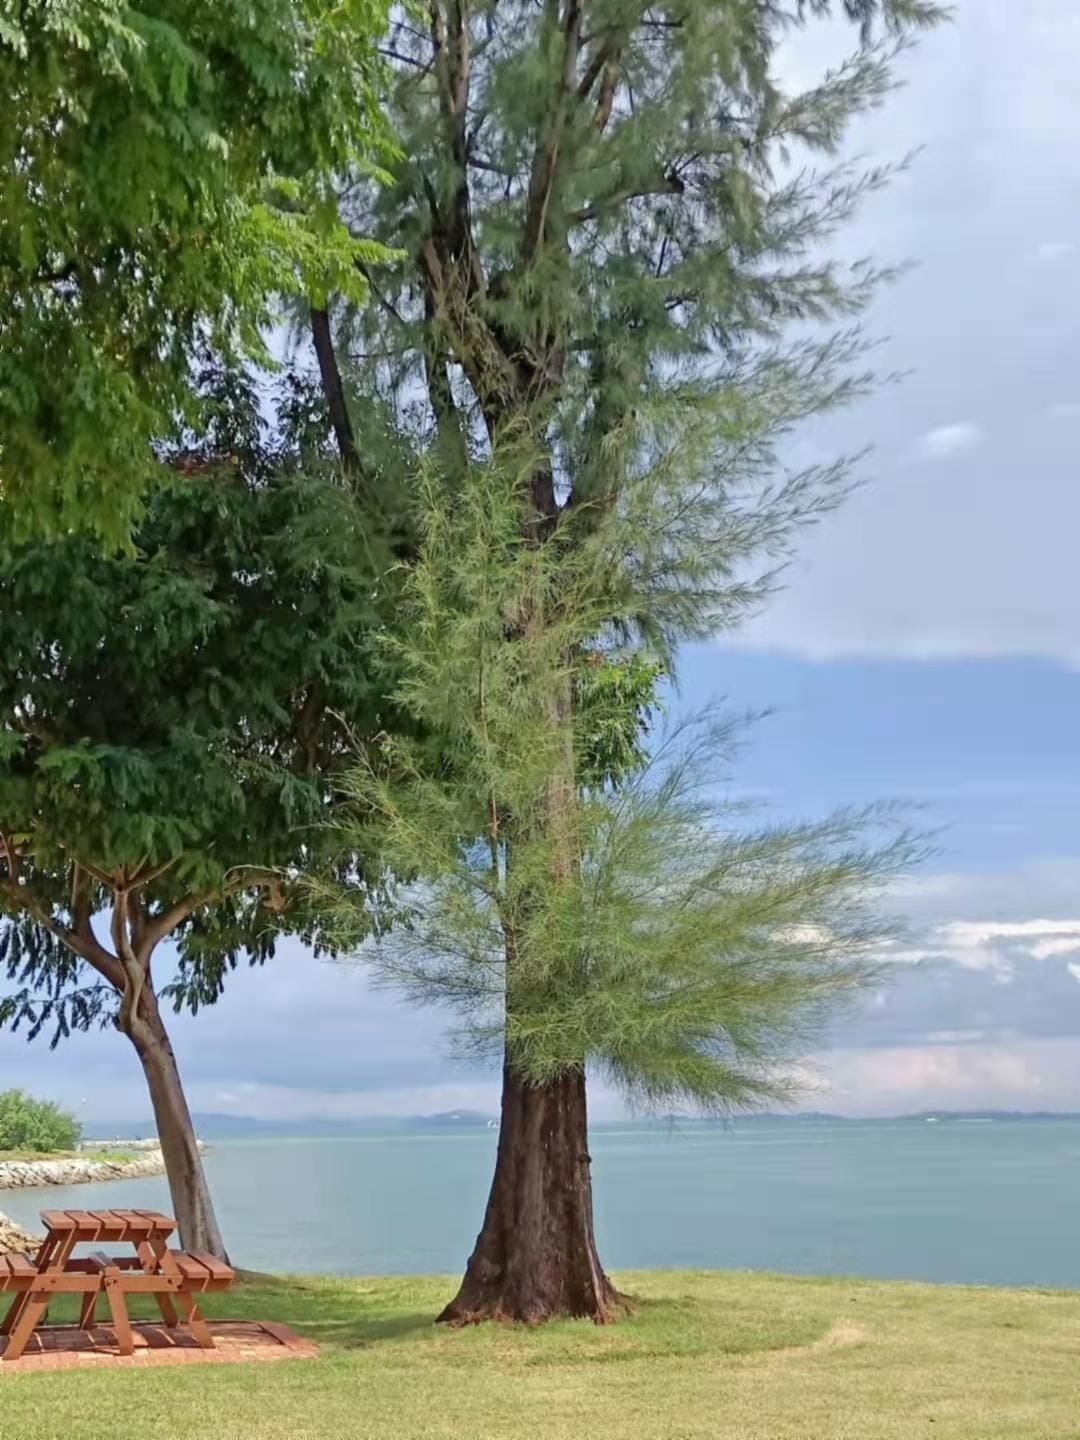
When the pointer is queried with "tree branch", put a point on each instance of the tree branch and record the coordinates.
(334, 390)
(668, 185)
(546, 161)
(82, 944)
(159, 927)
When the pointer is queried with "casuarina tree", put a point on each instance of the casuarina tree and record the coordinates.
(586, 906)
(167, 170)
(615, 302)
(170, 724)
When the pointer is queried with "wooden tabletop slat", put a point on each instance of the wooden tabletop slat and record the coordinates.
(57, 1220)
(21, 1265)
(86, 1222)
(136, 1221)
(163, 1224)
(113, 1225)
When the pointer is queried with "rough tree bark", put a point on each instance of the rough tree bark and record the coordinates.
(535, 1256)
(188, 1189)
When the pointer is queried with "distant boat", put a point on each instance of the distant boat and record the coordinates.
(931, 1119)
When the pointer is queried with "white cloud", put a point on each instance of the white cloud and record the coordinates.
(1074, 971)
(993, 946)
(955, 1037)
(1037, 1075)
(291, 1102)
(945, 441)
(1049, 887)
(1051, 251)
(912, 567)
(1060, 945)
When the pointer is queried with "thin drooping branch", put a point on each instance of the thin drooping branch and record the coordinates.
(85, 946)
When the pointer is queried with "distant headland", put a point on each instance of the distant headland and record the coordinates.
(215, 1127)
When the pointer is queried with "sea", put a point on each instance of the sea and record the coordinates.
(983, 1202)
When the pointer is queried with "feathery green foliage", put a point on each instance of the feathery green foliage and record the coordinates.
(166, 170)
(687, 955)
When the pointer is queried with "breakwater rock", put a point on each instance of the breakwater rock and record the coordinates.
(78, 1170)
(13, 1240)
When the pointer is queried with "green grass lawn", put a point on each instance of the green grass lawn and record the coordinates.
(723, 1356)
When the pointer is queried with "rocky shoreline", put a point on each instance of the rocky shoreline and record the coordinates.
(78, 1170)
(13, 1240)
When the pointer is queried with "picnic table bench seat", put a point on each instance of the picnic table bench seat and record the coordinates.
(16, 1272)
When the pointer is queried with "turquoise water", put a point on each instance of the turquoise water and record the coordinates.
(993, 1203)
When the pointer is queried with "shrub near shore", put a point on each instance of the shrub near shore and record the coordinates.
(35, 1126)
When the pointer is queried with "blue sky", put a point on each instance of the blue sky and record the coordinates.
(926, 646)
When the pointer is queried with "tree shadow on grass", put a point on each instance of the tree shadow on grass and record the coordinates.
(360, 1332)
(339, 1316)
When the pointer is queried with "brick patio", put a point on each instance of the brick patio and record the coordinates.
(64, 1347)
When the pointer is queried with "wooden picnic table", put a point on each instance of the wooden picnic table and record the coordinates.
(173, 1277)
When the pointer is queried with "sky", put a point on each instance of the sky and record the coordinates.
(926, 647)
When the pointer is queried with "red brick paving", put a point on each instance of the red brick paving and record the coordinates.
(65, 1347)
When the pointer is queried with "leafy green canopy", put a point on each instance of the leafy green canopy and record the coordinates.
(171, 720)
(38, 1125)
(689, 954)
(166, 170)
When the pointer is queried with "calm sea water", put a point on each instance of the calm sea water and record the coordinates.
(992, 1203)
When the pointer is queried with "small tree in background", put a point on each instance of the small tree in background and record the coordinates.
(167, 170)
(170, 723)
(37, 1125)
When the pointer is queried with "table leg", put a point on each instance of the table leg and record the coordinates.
(26, 1323)
(182, 1299)
(15, 1309)
(150, 1255)
(88, 1310)
(25, 1315)
(194, 1319)
(114, 1293)
(19, 1304)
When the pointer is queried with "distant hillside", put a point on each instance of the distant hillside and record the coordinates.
(953, 1115)
(238, 1127)
(235, 1127)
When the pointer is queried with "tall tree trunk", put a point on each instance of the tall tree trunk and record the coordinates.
(535, 1257)
(333, 388)
(191, 1202)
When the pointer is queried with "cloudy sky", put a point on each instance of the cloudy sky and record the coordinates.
(927, 647)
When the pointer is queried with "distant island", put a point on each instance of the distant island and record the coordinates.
(212, 1126)
(217, 1127)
